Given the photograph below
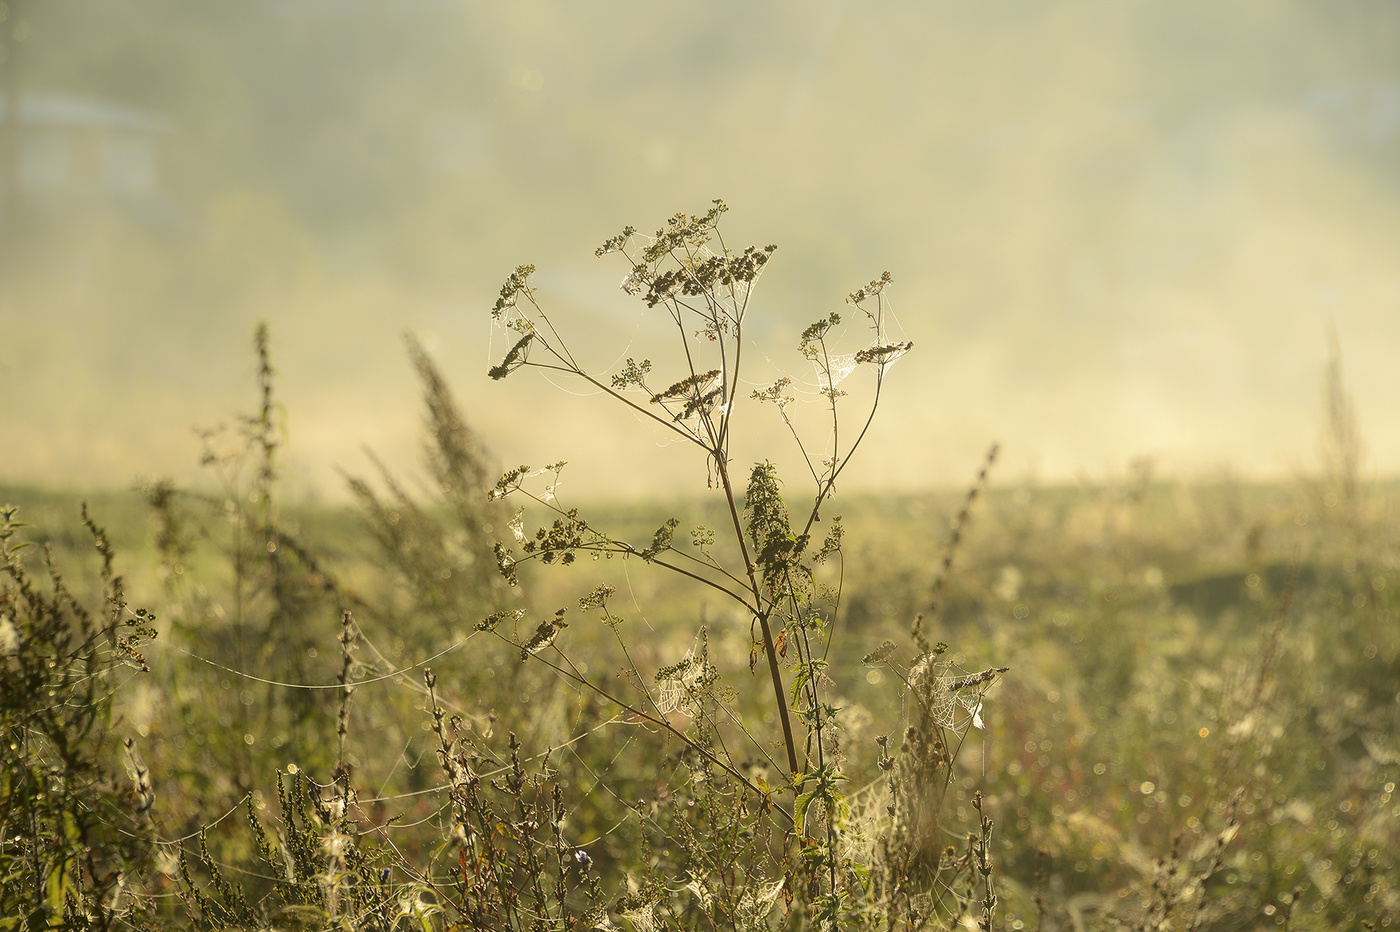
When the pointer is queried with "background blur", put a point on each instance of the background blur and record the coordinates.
(1117, 229)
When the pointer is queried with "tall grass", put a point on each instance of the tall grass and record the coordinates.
(493, 709)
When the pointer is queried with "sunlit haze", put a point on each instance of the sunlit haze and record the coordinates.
(1118, 231)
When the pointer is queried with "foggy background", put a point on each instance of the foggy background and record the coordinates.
(1117, 229)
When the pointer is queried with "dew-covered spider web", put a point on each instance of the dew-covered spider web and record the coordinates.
(676, 687)
(833, 370)
(642, 915)
(951, 695)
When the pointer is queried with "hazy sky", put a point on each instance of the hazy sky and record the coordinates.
(1116, 229)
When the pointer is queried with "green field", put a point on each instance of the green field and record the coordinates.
(1198, 723)
(466, 702)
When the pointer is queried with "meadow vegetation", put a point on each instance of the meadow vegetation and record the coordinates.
(1131, 704)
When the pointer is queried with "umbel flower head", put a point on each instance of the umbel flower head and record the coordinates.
(545, 634)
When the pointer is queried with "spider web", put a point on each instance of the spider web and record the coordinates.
(676, 693)
(952, 695)
(642, 917)
(833, 370)
(944, 703)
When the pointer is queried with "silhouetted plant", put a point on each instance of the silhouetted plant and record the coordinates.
(771, 564)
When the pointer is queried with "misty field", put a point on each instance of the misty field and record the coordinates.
(360, 574)
(1197, 727)
(464, 701)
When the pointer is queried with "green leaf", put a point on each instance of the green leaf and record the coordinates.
(799, 808)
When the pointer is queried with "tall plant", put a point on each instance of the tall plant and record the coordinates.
(780, 566)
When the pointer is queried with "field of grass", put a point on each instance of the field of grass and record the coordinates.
(1138, 704)
(1198, 727)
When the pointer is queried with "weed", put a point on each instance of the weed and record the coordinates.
(774, 567)
(75, 839)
